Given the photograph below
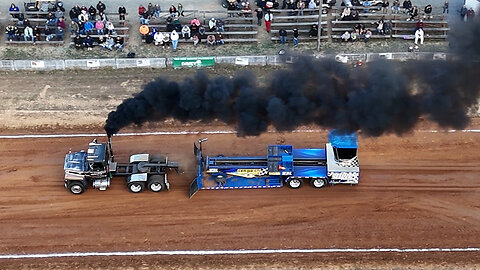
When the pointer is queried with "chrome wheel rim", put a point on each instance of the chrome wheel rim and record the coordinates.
(318, 183)
(156, 187)
(135, 188)
(295, 183)
(76, 189)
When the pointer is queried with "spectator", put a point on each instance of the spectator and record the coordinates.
(300, 7)
(345, 14)
(180, 10)
(354, 15)
(193, 29)
(174, 37)
(428, 12)
(13, 8)
(78, 42)
(11, 32)
(26, 22)
(186, 32)
(385, 4)
(122, 11)
(61, 23)
(445, 7)
(419, 25)
(141, 11)
(83, 17)
(59, 13)
(74, 13)
(419, 36)
(312, 5)
(201, 31)
(177, 25)
(101, 6)
(231, 7)
(99, 26)
(150, 8)
(145, 18)
(283, 36)
(88, 28)
(259, 13)
(355, 35)
(380, 25)
(49, 33)
(219, 39)
(20, 19)
(51, 16)
(88, 42)
(51, 22)
(92, 12)
(37, 33)
(407, 6)
(74, 28)
(195, 40)
(102, 43)
(345, 36)
(157, 10)
(172, 10)
(109, 43)
(396, 7)
(366, 4)
(110, 28)
(268, 20)
(413, 13)
(59, 33)
(102, 17)
(212, 24)
(28, 33)
(158, 38)
(470, 15)
(211, 41)
(119, 43)
(295, 37)
(166, 40)
(195, 21)
(170, 25)
(463, 13)
(219, 26)
(366, 35)
(313, 30)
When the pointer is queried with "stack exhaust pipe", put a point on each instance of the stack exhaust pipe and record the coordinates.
(109, 146)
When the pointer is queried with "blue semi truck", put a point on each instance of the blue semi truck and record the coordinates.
(337, 163)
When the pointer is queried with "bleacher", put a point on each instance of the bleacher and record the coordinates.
(36, 18)
(287, 19)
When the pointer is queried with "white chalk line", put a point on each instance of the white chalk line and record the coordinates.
(159, 133)
(234, 252)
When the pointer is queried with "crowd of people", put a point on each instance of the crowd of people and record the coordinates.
(108, 42)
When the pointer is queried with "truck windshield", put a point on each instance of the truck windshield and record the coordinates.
(345, 153)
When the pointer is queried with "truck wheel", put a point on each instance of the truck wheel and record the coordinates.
(136, 187)
(318, 182)
(294, 183)
(76, 187)
(156, 158)
(156, 183)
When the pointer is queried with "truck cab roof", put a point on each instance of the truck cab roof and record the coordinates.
(76, 161)
(96, 152)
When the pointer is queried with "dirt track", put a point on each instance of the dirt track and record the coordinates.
(418, 191)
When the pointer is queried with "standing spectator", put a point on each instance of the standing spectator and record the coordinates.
(92, 12)
(180, 10)
(78, 42)
(211, 41)
(88, 42)
(59, 33)
(37, 33)
(49, 33)
(313, 30)
(463, 13)
(186, 32)
(219, 26)
(11, 32)
(428, 11)
(122, 11)
(283, 36)
(219, 39)
(28, 33)
(119, 42)
(259, 13)
(174, 37)
(396, 7)
(99, 26)
(268, 20)
(13, 8)
(101, 6)
(445, 7)
(295, 37)
(470, 15)
(172, 10)
(419, 36)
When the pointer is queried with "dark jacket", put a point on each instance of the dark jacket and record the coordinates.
(101, 7)
(282, 33)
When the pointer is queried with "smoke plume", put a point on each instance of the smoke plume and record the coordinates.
(382, 97)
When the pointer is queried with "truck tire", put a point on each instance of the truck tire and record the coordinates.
(156, 158)
(136, 187)
(76, 187)
(294, 183)
(318, 182)
(156, 183)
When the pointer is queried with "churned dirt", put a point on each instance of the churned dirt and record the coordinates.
(416, 191)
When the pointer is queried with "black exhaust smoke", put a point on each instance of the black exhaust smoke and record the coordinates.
(383, 97)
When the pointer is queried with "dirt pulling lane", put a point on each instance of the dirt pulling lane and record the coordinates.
(412, 194)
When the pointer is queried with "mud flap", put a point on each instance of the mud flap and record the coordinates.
(197, 183)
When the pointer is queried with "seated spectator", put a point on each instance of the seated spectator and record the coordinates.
(419, 36)
(78, 42)
(26, 22)
(195, 40)
(49, 33)
(201, 31)
(59, 33)
(119, 42)
(83, 17)
(99, 27)
(313, 30)
(180, 10)
(419, 25)
(88, 28)
(84, 8)
(212, 24)
(172, 10)
(61, 23)
(170, 25)
(396, 7)
(354, 36)
(366, 4)
(195, 22)
(176, 25)
(51, 16)
(145, 18)
(74, 13)
(345, 36)
(380, 30)
(12, 33)
(109, 43)
(141, 10)
(283, 36)
(92, 12)
(300, 7)
(13, 8)
(407, 6)
(102, 17)
(122, 11)
(101, 6)
(346, 14)
(59, 13)
(88, 42)
(37, 33)
(219, 39)
(51, 22)
(428, 12)
(102, 43)
(219, 26)
(185, 32)
(174, 37)
(413, 13)
(210, 41)
(158, 38)
(110, 28)
(366, 35)
(166, 40)
(28, 33)
(150, 8)
(354, 15)
(20, 19)
(157, 10)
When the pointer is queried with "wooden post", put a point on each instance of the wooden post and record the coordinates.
(319, 28)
